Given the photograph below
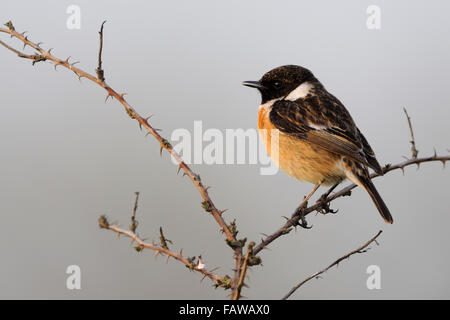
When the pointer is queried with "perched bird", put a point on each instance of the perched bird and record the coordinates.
(318, 141)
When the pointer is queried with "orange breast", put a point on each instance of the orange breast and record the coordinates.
(297, 157)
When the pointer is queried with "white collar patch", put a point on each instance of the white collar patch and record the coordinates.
(300, 92)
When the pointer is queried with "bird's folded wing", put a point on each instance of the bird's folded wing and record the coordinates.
(294, 118)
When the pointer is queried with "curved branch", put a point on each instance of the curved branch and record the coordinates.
(361, 249)
(321, 205)
(143, 122)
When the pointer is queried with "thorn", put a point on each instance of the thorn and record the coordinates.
(435, 153)
(418, 165)
(24, 45)
(122, 95)
(109, 95)
(147, 133)
(181, 252)
(161, 150)
(60, 62)
(167, 260)
(206, 189)
(222, 211)
(39, 44)
(48, 51)
(443, 164)
(179, 168)
(23, 33)
(156, 254)
(403, 170)
(146, 119)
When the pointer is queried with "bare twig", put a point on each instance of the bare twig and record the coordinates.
(99, 70)
(414, 151)
(163, 241)
(293, 221)
(245, 265)
(361, 249)
(134, 223)
(34, 57)
(141, 244)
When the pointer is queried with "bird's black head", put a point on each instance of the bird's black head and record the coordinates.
(279, 82)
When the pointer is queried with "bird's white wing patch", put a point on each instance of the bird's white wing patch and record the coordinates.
(316, 126)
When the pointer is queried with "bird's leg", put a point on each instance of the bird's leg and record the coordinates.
(303, 205)
(325, 208)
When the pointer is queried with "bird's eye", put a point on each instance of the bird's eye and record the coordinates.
(277, 84)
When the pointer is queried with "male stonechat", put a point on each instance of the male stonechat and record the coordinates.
(318, 141)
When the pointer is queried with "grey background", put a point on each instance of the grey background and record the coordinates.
(66, 157)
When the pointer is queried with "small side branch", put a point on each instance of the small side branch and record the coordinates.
(34, 57)
(360, 249)
(249, 260)
(414, 151)
(188, 262)
(134, 223)
(163, 241)
(99, 70)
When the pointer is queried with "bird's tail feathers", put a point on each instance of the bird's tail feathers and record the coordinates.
(368, 185)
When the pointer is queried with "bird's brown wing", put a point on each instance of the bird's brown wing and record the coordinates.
(323, 121)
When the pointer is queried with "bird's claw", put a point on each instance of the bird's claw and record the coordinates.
(324, 206)
(302, 222)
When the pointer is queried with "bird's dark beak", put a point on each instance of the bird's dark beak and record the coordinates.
(253, 84)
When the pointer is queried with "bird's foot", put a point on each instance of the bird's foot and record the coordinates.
(302, 221)
(324, 205)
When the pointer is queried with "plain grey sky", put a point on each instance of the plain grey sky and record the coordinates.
(67, 157)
